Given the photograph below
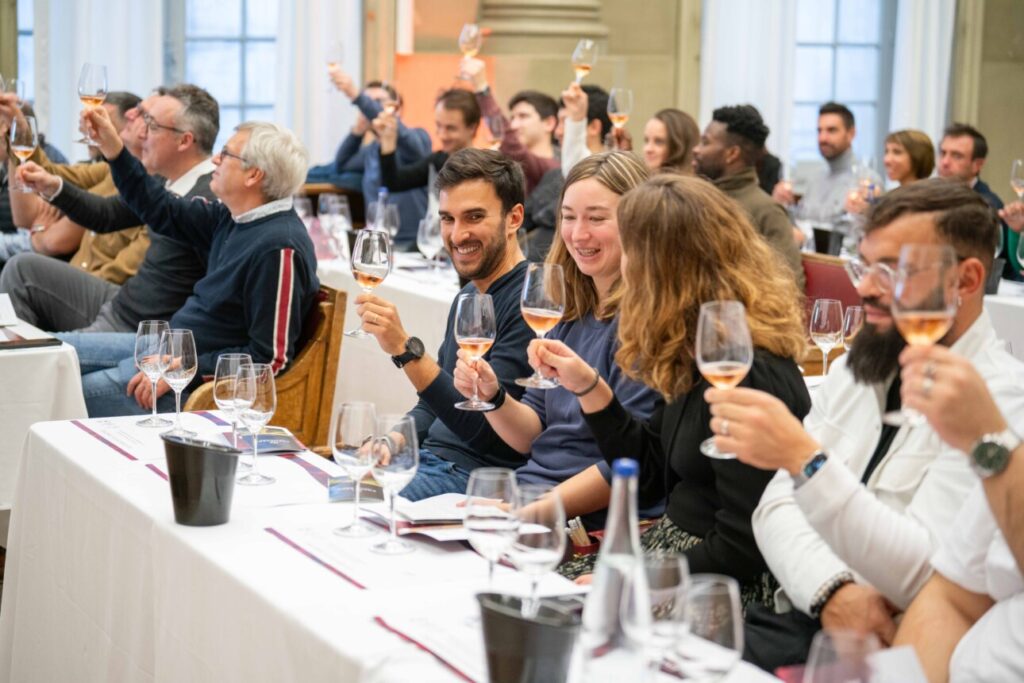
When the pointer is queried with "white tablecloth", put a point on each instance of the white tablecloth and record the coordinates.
(1006, 310)
(365, 373)
(103, 586)
(35, 385)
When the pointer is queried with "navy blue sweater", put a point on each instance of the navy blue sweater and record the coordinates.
(260, 280)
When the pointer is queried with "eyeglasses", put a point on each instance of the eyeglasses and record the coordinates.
(225, 153)
(153, 126)
(858, 271)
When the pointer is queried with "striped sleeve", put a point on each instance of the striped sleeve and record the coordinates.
(282, 309)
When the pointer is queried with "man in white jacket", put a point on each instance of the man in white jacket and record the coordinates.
(850, 522)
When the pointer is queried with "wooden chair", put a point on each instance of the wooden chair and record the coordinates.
(826, 278)
(305, 391)
(356, 205)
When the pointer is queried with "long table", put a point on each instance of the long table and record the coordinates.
(103, 586)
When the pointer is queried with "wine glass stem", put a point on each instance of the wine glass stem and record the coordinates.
(154, 400)
(490, 574)
(255, 448)
(234, 431)
(530, 608)
(355, 515)
(476, 395)
(824, 362)
(177, 408)
(394, 526)
(540, 335)
(579, 78)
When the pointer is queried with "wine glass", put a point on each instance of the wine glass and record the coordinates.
(352, 435)
(371, 263)
(471, 39)
(304, 208)
(390, 221)
(924, 301)
(429, 240)
(24, 136)
(826, 328)
(178, 363)
(542, 304)
(496, 127)
(397, 440)
(656, 621)
(225, 385)
(853, 320)
(334, 55)
(149, 361)
(540, 543)
(584, 57)
(724, 352)
(92, 90)
(620, 105)
(336, 220)
(713, 641)
(492, 504)
(841, 656)
(258, 396)
(1017, 177)
(16, 86)
(475, 328)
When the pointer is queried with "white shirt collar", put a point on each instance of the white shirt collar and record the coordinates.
(276, 206)
(184, 184)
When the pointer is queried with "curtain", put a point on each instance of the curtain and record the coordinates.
(125, 35)
(306, 100)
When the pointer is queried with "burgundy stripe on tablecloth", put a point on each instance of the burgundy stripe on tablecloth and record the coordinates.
(423, 647)
(212, 418)
(159, 471)
(313, 470)
(102, 440)
(329, 567)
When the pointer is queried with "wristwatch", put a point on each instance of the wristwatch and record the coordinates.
(413, 351)
(813, 464)
(991, 453)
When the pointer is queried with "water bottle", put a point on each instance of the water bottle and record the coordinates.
(608, 654)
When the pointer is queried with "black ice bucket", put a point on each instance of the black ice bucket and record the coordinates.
(527, 650)
(202, 476)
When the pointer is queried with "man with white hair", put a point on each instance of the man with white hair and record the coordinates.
(260, 280)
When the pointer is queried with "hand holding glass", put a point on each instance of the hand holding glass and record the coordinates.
(584, 57)
(24, 137)
(542, 304)
(475, 328)
(92, 90)
(371, 263)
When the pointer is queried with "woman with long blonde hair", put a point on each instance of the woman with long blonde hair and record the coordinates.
(685, 243)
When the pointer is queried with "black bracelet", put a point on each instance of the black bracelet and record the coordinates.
(593, 385)
(499, 398)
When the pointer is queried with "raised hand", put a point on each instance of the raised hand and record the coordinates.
(576, 102)
(97, 125)
(33, 176)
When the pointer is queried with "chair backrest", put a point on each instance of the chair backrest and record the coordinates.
(827, 279)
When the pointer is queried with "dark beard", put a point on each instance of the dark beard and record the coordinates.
(494, 254)
(874, 356)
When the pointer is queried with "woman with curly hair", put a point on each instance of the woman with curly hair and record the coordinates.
(685, 243)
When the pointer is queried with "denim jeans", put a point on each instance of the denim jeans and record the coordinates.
(435, 476)
(107, 360)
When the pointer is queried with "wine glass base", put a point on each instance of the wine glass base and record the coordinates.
(153, 421)
(393, 546)
(904, 418)
(708, 448)
(535, 382)
(475, 404)
(357, 529)
(178, 432)
(358, 332)
(255, 479)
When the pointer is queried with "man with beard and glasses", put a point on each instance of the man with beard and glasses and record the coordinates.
(481, 208)
(848, 524)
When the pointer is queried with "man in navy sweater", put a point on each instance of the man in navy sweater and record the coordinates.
(260, 280)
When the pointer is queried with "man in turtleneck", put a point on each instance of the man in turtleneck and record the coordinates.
(826, 195)
(726, 155)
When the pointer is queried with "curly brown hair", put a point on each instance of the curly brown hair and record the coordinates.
(686, 243)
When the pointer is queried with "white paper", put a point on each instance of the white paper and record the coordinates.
(7, 314)
(437, 508)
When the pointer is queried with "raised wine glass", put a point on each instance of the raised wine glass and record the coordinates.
(257, 389)
(471, 39)
(584, 57)
(620, 106)
(492, 524)
(179, 364)
(496, 128)
(397, 440)
(429, 240)
(826, 328)
(24, 136)
(92, 90)
(540, 543)
(475, 328)
(724, 352)
(371, 263)
(1017, 177)
(853, 320)
(352, 444)
(924, 303)
(225, 385)
(149, 361)
(542, 304)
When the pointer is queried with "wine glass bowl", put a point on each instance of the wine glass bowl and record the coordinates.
(179, 363)
(371, 263)
(826, 328)
(92, 90)
(256, 393)
(713, 641)
(225, 386)
(656, 620)
(429, 240)
(352, 445)
(853, 321)
(841, 656)
(150, 362)
(491, 521)
(584, 57)
(620, 106)
(540, 544)
(24, 138)
(724, 352)
(475, 329)
(399, 447)
(471, 39)
(542, 304)
(1017, 177)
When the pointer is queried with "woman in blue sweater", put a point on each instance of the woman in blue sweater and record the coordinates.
(548, 425)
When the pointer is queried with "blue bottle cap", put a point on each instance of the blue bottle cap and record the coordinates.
(625, 467)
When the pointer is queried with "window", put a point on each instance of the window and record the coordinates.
(844, 54)
(226, 47)
(26, 56)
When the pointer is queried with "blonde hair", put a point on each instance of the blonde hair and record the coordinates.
(620, 172)
(686, 243)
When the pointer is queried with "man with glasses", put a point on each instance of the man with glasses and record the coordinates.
(177, 129)
(849, 522)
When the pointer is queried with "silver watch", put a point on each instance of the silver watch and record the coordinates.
(991, 453)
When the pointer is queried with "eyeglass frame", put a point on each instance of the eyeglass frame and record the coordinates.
(231, 155)
(875, 270)
(152, 126)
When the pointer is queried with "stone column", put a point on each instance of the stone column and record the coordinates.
(539, 26)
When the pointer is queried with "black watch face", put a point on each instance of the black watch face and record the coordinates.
(991, 456)
(414, 346)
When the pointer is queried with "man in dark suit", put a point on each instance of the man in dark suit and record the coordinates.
(962, 154)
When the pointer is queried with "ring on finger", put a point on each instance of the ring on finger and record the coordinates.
(926, 386)
(725, 426)
(929, 370)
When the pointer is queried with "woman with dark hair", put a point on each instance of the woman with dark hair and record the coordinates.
(669, 138)
(909, 156)
(684, 243)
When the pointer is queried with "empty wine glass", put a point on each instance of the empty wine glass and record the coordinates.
(258, 394)
(353, 431)
(657, 621)
(1017, 177)
(429, 240)
(17, 86)
(713, 641)
(150, 362)
(179, 364)
(724, 352)
(584, 57)
(225, 386)
(620, 105)
(542, 304)
(475, 328)
(540, 544)
(400, 458)
(826, 328)
(853, 320)
(24, 137)
(92, 90)
(491, 521)
(336, 220)
(841, 656)
(371, 263)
